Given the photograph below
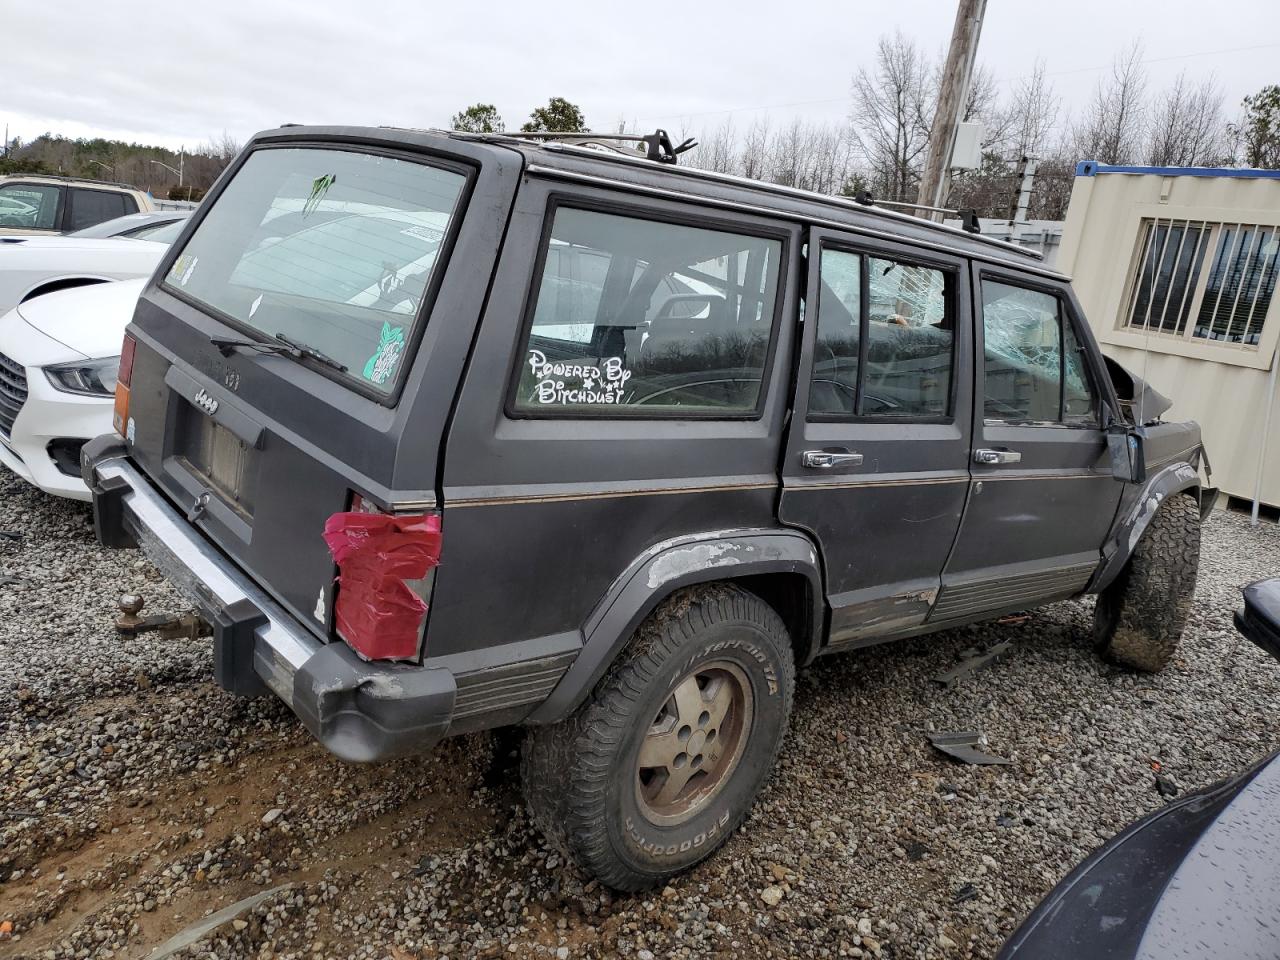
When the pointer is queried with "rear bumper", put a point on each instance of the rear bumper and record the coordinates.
(360, 711)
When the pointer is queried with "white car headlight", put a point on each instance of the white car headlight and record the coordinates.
(90, 378)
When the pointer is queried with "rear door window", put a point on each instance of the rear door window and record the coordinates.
(30, 206)
(90, 207)
(886, 339)
(333, 249)
(636, 317)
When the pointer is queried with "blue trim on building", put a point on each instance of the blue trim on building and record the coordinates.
(1091, 168)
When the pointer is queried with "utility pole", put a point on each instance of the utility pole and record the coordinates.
(952, 93)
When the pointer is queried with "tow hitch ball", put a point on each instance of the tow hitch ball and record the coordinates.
(189, 626)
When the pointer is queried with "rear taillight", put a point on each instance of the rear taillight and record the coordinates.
(120, 416)
(386, 563)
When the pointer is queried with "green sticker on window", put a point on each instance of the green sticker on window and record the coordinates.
(382, 365)
(319, 187)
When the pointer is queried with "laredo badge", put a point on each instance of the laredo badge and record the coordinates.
(382, 365)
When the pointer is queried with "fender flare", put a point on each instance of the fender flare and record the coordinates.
(667, 567)
(1127, 532)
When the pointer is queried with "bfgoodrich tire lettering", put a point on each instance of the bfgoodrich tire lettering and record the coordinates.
(1140, 617)
(582, 777)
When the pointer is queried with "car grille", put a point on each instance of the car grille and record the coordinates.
(13, 392)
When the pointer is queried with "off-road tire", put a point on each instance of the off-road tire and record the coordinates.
(580, 775)
(1140, 616)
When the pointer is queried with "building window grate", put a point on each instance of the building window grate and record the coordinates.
(1197, 279)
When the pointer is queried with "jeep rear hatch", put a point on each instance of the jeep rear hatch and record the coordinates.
(274, 374)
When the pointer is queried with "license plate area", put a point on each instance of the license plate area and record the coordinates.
(217, 457)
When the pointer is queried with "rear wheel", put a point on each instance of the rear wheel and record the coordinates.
(661, 764)
(1140, 617)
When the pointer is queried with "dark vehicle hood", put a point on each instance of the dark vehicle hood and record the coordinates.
(1136, 394)
(1197, 878)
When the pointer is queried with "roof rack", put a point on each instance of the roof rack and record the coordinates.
(578, 143)
(863, 202)
(657, 145)
(66, 179)
(969, 221)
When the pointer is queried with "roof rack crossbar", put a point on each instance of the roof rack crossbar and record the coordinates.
(861, 202)
(658, 145)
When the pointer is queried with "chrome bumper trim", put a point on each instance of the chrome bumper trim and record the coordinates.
(198, 570)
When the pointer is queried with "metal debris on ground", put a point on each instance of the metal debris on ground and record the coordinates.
(964, 746)
(1012, 618)
(974, 660)
(967, 892)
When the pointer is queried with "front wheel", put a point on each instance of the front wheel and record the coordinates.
(661, 764)
(1140, 616)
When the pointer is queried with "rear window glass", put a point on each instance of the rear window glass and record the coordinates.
(329, 248)
(89, 207)
(640, 318)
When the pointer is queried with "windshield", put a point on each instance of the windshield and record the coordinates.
(330, 248)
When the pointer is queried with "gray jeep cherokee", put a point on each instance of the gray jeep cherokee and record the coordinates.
(444, 432)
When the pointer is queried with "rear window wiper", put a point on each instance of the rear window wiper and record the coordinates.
(304, 350)
(278, 344)
(226, 345)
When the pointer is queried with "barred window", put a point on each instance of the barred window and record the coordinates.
(1211, 281)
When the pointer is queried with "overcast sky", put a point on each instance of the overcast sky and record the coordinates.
(184, 73)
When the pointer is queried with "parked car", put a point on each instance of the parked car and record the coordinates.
(1200, 877)
(38, 265)
(139, 226)
(40, 204)
(59, 356)
(446, 432)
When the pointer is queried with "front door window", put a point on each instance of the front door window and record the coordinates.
(1034, 363)
(29, 206)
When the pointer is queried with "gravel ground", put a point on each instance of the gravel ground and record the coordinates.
(136, 797)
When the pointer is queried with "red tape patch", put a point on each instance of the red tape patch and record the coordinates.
(376, 613)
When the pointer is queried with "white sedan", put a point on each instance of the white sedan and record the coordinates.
(33, 266)
(59, 357)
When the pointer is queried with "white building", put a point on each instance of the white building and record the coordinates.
(1176, 268)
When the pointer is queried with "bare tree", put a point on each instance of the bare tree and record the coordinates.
(892, 112)
(755, 149)
(830, 166)
(718, 151)
(1033, 114)
(1113, 127)
(789, 154)
(1187, 125)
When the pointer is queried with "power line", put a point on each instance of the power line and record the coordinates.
(1053, 73)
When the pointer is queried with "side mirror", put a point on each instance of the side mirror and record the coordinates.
(1124, 443)
(1259, 621)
